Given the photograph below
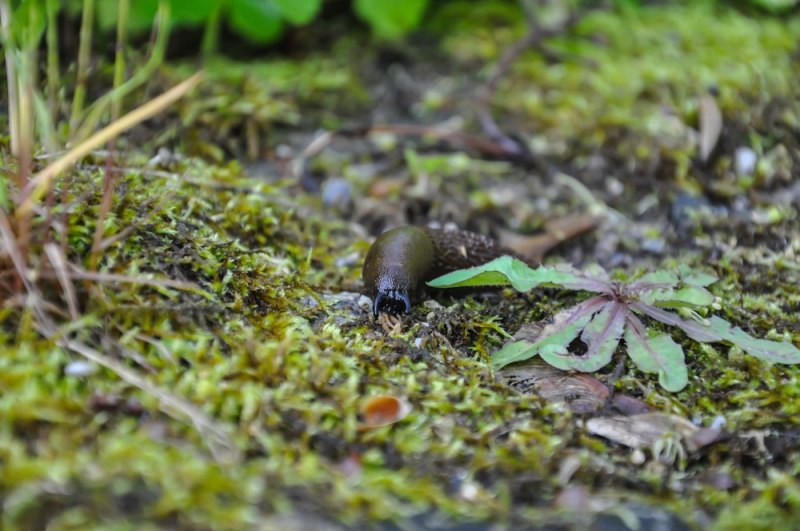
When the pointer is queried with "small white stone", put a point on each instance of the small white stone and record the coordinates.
(365, 303)
(745, 161)
(282, 151)
(469, 491)
(637, 457)
(614, 187)
(79, 369)
(718, 423)
(348, 260)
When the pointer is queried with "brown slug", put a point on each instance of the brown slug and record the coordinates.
(401, 260)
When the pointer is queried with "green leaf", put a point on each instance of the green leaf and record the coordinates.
(775, 6)
(656, 279)
(506, 270)
(513, 352)
(299, 11)
(260, 21)
(140, 16)
(718, 329)
(28, 23)
(602, 336)
(657, 354)
(691, 296)
(499, 272)
(698, 278)
(778, 352)
(391, 19)
(555, 337)
(4, 192)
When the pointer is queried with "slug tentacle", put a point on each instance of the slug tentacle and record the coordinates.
(401, 260)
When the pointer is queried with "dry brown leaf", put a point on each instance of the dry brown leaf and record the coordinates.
(710, 126)
(647, 430)
(556, 231)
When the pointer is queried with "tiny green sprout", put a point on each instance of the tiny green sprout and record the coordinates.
(613, 315)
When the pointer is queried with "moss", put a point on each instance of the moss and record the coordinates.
(261, 347)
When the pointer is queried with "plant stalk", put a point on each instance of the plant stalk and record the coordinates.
(210, 44)
(109, 180)
(53, 67)
(119, 62)
(11, 75)
(84, 56)
(142, 75)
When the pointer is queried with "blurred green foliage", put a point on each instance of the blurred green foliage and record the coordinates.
(261, 21)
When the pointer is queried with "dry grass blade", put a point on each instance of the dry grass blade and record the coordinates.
(159, 346)
(59, 264)
(215, 435)
(41, 183)
(710, 125)
(76, 273)
(11, 247)
(34, 298)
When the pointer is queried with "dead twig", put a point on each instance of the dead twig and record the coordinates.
(59, 264)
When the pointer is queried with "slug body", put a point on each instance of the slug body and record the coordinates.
(401, 260)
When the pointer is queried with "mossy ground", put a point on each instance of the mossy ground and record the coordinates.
(264, 348)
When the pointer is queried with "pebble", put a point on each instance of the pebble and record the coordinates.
(79, 369)
(654, 245)
(744, 161)
(336, 192)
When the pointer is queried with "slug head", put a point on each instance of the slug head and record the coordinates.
(394, 301)
(395, 269)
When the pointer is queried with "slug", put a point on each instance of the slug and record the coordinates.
(401, 260)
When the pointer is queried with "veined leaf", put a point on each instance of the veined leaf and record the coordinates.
(513, 352)
(602, 336)
(502, 271)
(566, 326)
(696, 278)
(719, 329)
(775, 351)
(506, 270)
(654, 280)
(658, 354)
(691, 296)
(693, 329)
